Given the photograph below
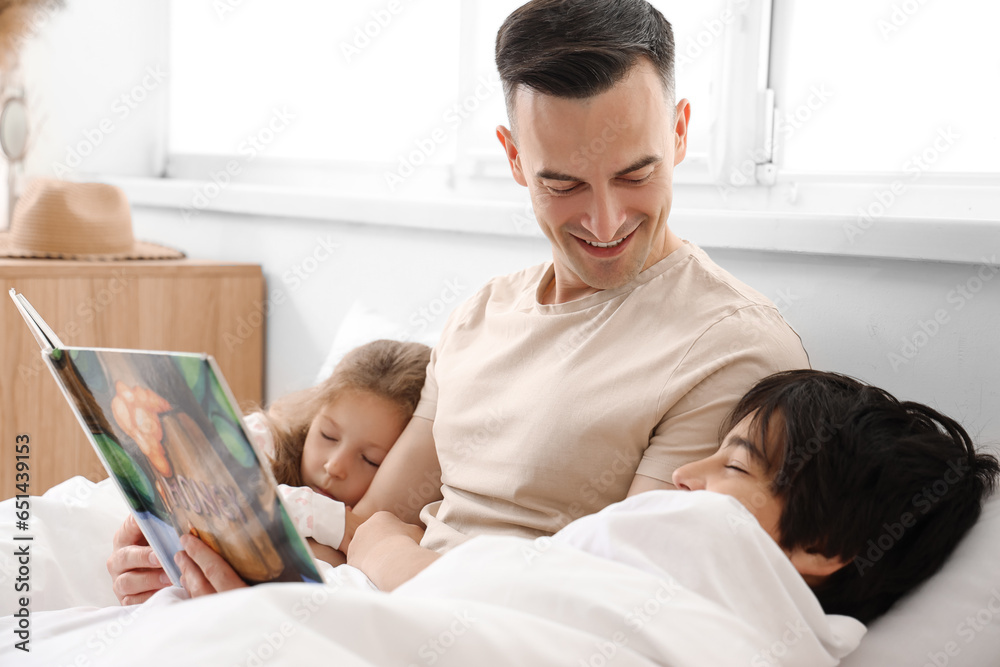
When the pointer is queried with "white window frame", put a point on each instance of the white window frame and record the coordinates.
(946, 217)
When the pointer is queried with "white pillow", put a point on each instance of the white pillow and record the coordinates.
(363, 324)
(954, 618)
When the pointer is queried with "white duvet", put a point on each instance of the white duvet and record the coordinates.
(664, 578)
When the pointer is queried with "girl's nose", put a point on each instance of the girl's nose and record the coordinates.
(336, 466)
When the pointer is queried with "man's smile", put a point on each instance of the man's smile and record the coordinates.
(606, 250)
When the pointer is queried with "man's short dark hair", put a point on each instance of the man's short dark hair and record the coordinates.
(577, 49)
(891, 485)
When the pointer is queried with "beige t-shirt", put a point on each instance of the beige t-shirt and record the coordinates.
(545, 413)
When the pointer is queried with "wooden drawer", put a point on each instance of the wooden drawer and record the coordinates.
(175, 305)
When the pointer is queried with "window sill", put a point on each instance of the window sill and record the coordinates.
(895, 237)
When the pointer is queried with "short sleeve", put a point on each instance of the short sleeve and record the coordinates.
(427, 407)
(721, 366)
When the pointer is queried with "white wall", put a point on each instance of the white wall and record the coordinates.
(95, 78)
(852, 313)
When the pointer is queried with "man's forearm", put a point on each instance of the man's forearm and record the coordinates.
(395, 561)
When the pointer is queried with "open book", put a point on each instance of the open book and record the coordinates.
(169, 432)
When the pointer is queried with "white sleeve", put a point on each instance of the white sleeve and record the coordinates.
(256, 426)
(314, 515)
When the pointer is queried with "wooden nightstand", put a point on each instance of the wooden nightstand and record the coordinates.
(175, 305)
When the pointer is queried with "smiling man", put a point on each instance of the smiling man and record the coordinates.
(563, 388)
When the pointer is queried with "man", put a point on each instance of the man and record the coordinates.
(560, 389)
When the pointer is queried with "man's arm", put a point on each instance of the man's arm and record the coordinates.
(408, 479)
(641, 483)
(388, 551)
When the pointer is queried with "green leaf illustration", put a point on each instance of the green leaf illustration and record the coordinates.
(234, 440)
(138, 489)
(193, 370)
(221, 401)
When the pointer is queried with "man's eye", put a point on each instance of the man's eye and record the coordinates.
(637, 181)
(562, 191)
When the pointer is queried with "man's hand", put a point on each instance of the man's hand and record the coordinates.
(203, 571)
(351, 523)
(136, 573)
(388, 551)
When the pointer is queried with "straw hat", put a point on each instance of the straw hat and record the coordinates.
(63, 220)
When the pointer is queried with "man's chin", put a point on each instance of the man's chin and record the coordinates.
(621, 273)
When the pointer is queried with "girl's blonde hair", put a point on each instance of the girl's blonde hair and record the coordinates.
(390, 369)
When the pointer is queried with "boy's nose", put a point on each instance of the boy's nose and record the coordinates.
(687, 479)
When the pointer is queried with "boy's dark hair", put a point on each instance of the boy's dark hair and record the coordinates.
(892, 486)
(581, 48)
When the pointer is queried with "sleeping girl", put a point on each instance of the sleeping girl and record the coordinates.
(324, 445)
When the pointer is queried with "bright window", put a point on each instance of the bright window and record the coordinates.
(884, 86)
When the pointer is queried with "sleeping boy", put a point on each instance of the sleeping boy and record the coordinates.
(828, 466)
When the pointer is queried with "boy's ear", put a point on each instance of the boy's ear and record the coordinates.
(814, 566)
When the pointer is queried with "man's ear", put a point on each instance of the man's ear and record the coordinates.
(682, 119)
(507, 141)
(814, 566)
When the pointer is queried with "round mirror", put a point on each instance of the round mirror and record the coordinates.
(14, 129)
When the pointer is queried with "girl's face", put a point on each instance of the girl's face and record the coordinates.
(346, 443)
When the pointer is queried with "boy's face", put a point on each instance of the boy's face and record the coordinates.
(738, 470)
(347, 442)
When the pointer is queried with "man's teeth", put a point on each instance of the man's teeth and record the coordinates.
(607, 245)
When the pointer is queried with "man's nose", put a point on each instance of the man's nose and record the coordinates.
(687, 478)
(606, 216)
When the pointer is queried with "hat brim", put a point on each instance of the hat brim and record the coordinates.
(139, 250)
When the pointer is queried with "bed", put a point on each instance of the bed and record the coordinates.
(606, 590)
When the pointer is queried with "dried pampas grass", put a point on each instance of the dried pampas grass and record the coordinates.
(19, 21)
